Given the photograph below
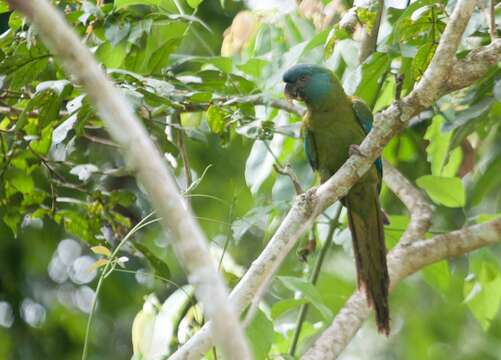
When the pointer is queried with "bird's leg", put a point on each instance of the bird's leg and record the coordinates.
(354, 149)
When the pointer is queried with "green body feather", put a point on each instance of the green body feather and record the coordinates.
(333, 123)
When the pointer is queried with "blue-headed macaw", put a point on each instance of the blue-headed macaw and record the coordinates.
(334, 125)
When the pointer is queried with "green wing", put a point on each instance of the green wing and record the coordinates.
(365, 119)
(310, 149)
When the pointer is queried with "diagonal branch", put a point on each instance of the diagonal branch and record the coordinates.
(369, 39)
(141, 154)
(307, 206)
(402, 261)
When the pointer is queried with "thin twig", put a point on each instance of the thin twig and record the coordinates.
(303, 311)
(180, 140)
(492, 20)
(287, 171)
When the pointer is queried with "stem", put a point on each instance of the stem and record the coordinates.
(182, 149)
(303, 311)
(492, 20)
(229, 232)
(105, 273)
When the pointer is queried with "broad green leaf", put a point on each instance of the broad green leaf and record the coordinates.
(159, 265)
(4, 7)
(393, 232)
(482, 289)
(437, 275)
(254, 67)
(455, 158)
(12, 218)
(309, 292)
(260, 335)
(42, 145)
(122, 197)
(215, 119)
(165, 4)
(423, 58)
(111, 56)
(486, 180)
(194, 3)
(446, 191)
(373, 70)
(20, 180)
(283, 306)
(474, 118)
(161, 41)
(483, 218)
(117, 32)
(438, 144)
(76, 224)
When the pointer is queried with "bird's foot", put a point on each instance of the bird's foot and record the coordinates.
(355, 150)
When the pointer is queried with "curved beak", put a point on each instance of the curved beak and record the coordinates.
(290, 91)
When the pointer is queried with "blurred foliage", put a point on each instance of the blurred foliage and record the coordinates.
(65, 187)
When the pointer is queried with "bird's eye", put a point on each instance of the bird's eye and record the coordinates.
(302, 78)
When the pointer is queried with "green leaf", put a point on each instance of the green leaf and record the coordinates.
(283, 306)
(110, 56)
(161, 41)
(337, 33)
(482, 288)
(475, 118)
(194, 3)
(373, 70)
(165, 4)
(117, 32)
(486, 180)
(161, 268)
(423, 58)
(393, 232)
(366, 17)
(260, 335)
(77, 225)
(122, 197)
(42, 145)
(437, 276)
(483, 218)
(12, 218)
(309, 292)
(442, 162)
(20, 180)
(446, 191)
(215, 119)
(4, 7)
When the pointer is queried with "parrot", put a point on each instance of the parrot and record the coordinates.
(334, 125)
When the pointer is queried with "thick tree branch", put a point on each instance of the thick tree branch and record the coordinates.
(369, 39)
(189, 242)
(402, 261)
(473, 66)
(307, 206)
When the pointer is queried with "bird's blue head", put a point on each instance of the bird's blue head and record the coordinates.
(312, 84)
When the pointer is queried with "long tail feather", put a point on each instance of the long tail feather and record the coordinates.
(366, 224)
